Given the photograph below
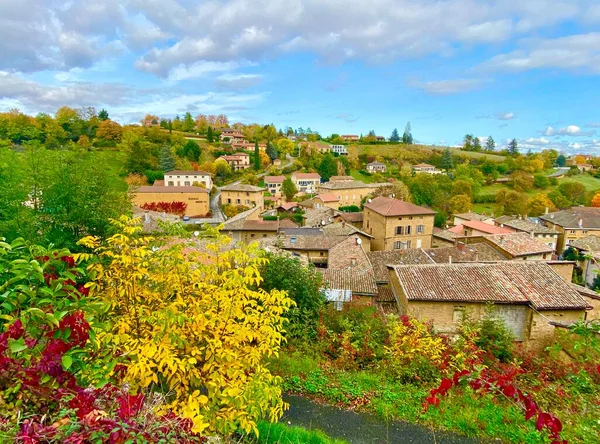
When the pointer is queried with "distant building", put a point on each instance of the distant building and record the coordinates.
(426, 168)
(535, 229)
(306, 182)
(397, 225)
(231, 136)
(326, 200)
(178, 178)
(460, 218)
(572, 224)
(237, 161)
(273, 184)
(380, 138)
(341, 179)
(350, 137)
(376, 167)
(242, 194)
(350, 192)
(516, 246)
(196, 198)
(339, 149)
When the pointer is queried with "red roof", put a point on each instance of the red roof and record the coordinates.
(307, 176)
(387, 206)
(486, 228)
(328, 197)
(274, 179)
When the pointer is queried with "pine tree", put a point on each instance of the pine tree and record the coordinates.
(272, 152)
(256, 157)
(165, 159)
(288, 189)
(395, 137)
(490, 145)
(103, 115)
(476, 144)
(468, 142)
(407, 136)
(209, 135)
(447, 161)
(513, 147)
(188, 123)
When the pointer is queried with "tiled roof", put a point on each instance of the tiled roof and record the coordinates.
(359, 282)
(348, 254)
(306, 176)
(287, 223)
(485, 228)
(274, 179)
(316, 243)
(480, 252)
(503, 219)
(187, 173)
(589, 243)
(316, 216)
(352, 217)
(586, 292)
(473, 216)
(589, 217)
(237, 221)
(301, 231)
(507, 282)
(242, 187)
(260, 225)
(346, 185)
(288, 205)
(159, 183)
(445, 234)
(340, 178)
(163, 189)
(381, 259)
(519, 244)
(529, 226)
(384, 294)
(424, 165)
(342, 229)
(327, 197)
(387, 206)
(376, 163)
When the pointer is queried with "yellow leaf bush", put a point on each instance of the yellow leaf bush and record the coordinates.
(193, 326)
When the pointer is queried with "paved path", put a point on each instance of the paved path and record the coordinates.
(362, 428)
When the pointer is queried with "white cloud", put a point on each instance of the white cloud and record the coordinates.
(443, 87)
(200, 69)
(570, 130)
(238, 82)
(505, 116)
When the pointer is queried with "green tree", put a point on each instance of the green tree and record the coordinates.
(447, 161)
(511, 203)
(188, 123)
(522, 181)
(209, 135)
(513, 147)
(476, 144)
(574, 192)
(103, 115)
(191, 150)
(288, 188)
(395, 137)
(490, 144)
(272, 151)
(561, 160)
(468, 142)
(327, 167)
(462, 186)
(166, 160)
(177, 125)
(461, 203)
(407, 137)
(256, 156)
(303, 285)
(541, 181)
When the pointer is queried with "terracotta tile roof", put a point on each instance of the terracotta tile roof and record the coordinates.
(340, 178)
(174, 190)
(187, 173)
(588, 243)
(586, 292)
(445, 234)
(387, 206)
(316, 216)
(480, 252)
(384, 294)
(313, 243)
(342, 229)
(242, 187)
(532, 283)
(287, 223)
(519, 244)
(352, 217)
(473, 216)
(237, 221)
(381, 259)
(348, 254)
(503, 219)
(359, 282)
(528, 226)
(588, 216)
(301, 231)
(327, 197)
(486, 228)
(288, 205)
(260, 225)
(274, 179)
(347, 185)
(306, 176)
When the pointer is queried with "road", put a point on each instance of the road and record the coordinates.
(215, 207)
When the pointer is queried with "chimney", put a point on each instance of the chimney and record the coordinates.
(580, 223)
(547, 209)
(449, 259)
(353, 261)
(461, 246)
(476, 256)
(501, 240)
(532, 234)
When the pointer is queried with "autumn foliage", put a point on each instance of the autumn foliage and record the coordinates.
(167, 207)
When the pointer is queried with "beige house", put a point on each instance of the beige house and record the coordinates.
(242, 194)
(426, 168)
(326, 200)
(273, 184)
(178, 178)
(572, 224)
(249, 226)
(350, 137)
(397, 225)
(515, 246)
(376, 167)
(231, 136)
(237, 161)
(350, 192)
(461, 218)
(526, 296)
(537, 230)
(197, 199)
(307, 182)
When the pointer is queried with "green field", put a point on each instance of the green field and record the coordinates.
(360, 176)
(392, 150)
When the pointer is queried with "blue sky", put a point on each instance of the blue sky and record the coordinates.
(528, 70)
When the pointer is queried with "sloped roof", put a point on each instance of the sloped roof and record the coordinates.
(340, 178)
(308, 242)
(315, 216)
(174, 190)
(376, 163)
(359, 282)
(529, 226)
(381, 259)
(387, 206)
(237, 221)
(480, 252)
(519, 244)
(589, 243)
(243, 187)
(485, 228)
(342, 229)
(503, 219)
(352, 217)
(532, 283)
(586, 292)
(287, 223)
(473, 216)
(445, 234)
(346, 185)
(274, 179)
(327, 197)
(423, 165)
(288, 205)
(589, 217)
(187, 173)
(306, 175)
(384, 294)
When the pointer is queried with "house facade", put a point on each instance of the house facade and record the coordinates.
(273, 184)
(376, 167)
(178, 178)
(326, 200)
(339, 149)
(426, 168)
(350, 192)
(242, 194)
(307, 182)
(237, 161)
(572, 224)
(397, 225)
(350, 137)
(197, 199)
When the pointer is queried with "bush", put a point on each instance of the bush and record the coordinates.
(492, 336)
(484, 198)
(349, 209)
(154, 175)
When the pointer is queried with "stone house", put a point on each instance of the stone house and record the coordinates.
(544, 234)
(525, 295)
(197, 199)
(350, 192)
(572, 224)
(326, 200)
(397, 225)
(354, 218)
(242, 194)
(306, 182)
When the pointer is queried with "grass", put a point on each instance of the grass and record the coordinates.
(392, 150)
(360, 176)
(277, 433)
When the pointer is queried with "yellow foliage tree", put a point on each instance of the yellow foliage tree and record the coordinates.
(193, 326)
(596, 200)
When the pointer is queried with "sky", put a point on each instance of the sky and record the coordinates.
(528, 70)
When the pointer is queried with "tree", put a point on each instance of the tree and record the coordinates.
(327, 167)
(288, 188)
(513, 147)
(103, 115)
(396, 189)
(461, 203)
(538, 205)
(191, 150)
(447, 161)
(558, 199)
(462, 186)
(395, 137)
(541, 181)
(188, 123)
(574, 192)
(256, 157)
(511, 203)
(272, 151)
(522, 181)
(109, 131)
(595, 200)
(285, 146)
(490, 144)
(165, 160)
(209, 135)
(407, 137)
(222, 168)
(174, 314)
(561, 160)
(476, 144)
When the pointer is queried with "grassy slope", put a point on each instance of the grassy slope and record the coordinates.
(283, 434)
(392, 150)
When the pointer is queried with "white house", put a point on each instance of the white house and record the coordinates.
(339, 149)
(178, 178)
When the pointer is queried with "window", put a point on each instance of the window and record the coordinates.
(238, 201)
(321, 253)
(399, 230)
(228, 201)
(292, 240)
(399, 218)
(410, 218)
(171, 183)
(397, 245)
(420, 229)
(252, 235)
(408, 229)
(459, 314)
(186, 184)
